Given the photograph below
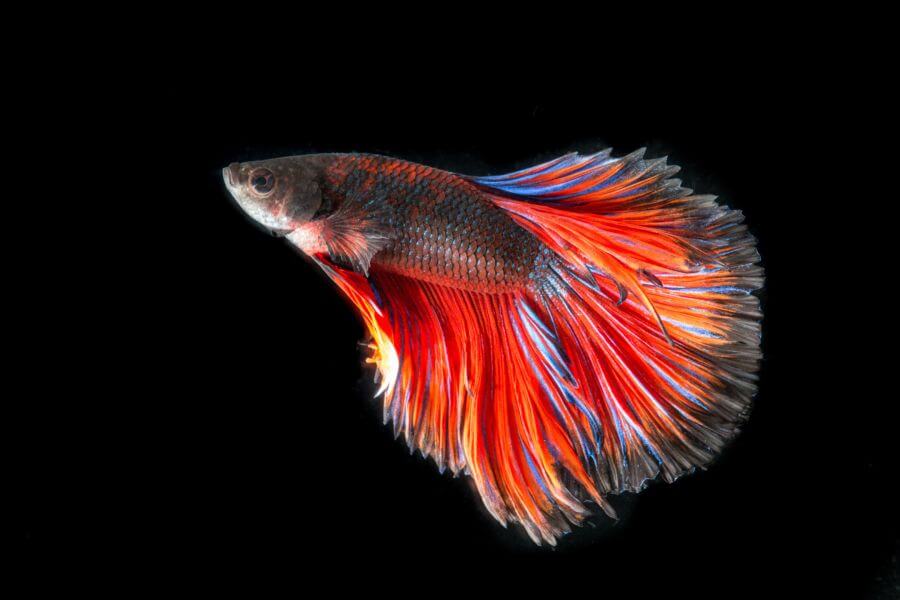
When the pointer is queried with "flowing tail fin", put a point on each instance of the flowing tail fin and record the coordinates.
(633, 357)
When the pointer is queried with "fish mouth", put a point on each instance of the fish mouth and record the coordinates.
(231, 181)
(230, 175)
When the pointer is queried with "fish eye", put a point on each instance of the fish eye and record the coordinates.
(262, 181)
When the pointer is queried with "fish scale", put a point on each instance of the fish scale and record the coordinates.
(443, 230)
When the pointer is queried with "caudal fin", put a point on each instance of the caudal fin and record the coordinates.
(652, 302)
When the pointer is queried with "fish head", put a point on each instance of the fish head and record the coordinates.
(280, 194)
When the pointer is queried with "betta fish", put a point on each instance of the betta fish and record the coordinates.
(558, 334)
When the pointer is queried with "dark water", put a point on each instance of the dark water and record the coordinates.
(211, 419)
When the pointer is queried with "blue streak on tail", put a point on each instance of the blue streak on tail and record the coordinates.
(684, 393)
(537, 476)
(567, 395)
(692, 329)
(648, 446)
(547, 347)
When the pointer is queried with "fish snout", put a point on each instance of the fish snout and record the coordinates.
(231, 174)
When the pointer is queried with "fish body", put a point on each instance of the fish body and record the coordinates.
(440, 227)
(559, 334)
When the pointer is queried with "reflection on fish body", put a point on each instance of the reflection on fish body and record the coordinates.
(559, 334)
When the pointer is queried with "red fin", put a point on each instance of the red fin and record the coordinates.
(468, 395)
(671, 374)
(555, 396)
(359, 291)
(461, 384)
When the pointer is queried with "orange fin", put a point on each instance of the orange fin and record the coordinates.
(463, 386)
(671, 373)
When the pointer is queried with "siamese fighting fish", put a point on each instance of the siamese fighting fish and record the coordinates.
(558, 334)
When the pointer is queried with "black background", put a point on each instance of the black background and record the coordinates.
(208, 419)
